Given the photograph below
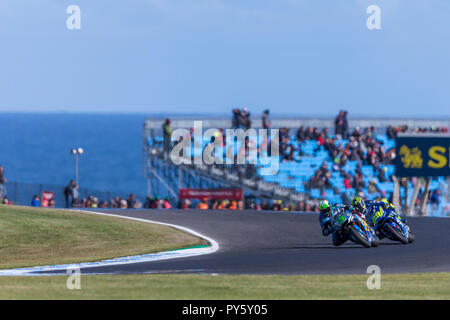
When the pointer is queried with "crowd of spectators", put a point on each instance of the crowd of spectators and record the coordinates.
(249, 203)
(73, 200)
(362, 146)
(157, 203)
(115, 203)
(392, 131)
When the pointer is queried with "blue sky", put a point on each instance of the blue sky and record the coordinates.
(307, 57)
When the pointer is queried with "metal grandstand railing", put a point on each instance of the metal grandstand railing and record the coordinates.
(153, 125)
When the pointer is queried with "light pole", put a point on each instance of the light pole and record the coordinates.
(76, 152)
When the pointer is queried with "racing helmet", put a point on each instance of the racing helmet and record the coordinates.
(359, 204)
(387, 204)
(324, 206)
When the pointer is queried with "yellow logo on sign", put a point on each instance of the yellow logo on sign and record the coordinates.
(438, 159)
(411, 158)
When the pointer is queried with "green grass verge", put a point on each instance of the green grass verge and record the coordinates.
(393, 286)
(34, 236)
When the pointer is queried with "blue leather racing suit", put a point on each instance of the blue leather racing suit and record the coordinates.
(326, 223)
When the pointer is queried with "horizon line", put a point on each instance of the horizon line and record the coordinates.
(221, 114)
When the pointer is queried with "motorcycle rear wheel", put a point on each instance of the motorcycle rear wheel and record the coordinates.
(375, 243)
(395, 234)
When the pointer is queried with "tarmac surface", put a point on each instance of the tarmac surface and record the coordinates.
(255, 242)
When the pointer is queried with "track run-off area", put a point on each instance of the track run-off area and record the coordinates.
(256, 242)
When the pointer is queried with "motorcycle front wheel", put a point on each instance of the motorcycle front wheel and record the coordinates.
(356, 235)
(410, 237)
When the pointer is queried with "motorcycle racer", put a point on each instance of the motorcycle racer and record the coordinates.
(327, 211)
(372, 208)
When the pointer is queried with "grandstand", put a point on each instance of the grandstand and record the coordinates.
(295, 179)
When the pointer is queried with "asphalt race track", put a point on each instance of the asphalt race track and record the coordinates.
(288, 243)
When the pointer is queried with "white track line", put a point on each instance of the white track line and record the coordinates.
(182, 253)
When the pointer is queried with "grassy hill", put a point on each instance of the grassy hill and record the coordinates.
(35, 236)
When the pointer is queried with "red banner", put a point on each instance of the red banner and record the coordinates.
(215, 194)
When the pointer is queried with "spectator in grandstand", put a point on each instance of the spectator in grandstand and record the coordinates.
(148, 202)
(264, 205)
(115, 202)
(167, 133)
(307, 207)
(51, 203)
(203, 205)
(277, 205)
(159, 202)
(341, 125)
(131, 202)
(372, 187)
(185, 204)
(356, 133)
(250, 203)
(390, 132)
(348, 181)
(358, 183)
(166, 204)
(235, 120)
(311, 133)
(382, 174)
(223, 205)
(75, 194)
(265, 119)
(103, 204)
(75, 203)
(123, 204)
(321, 179)
(36, 201)
(93, 202)
(434, 197)
(155, 203)
(2, 182)
(301, 134)
(215, 205)
(241, 119)
(245, 119)
(6, 201)
(84, 203)
(330, 145)
(68, 193)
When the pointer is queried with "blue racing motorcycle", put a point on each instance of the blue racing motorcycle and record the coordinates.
(355, 227)
(388, 224)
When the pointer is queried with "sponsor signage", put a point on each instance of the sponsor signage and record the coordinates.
(422, 155)
(215, 194)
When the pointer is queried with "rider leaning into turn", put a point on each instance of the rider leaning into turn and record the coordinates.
(327, 211)
(369, 208)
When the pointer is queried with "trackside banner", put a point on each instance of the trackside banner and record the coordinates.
(215, 194)
(422, 156)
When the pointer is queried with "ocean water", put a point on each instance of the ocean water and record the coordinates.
(34, 148)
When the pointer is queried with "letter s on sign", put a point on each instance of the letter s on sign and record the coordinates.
(437, 157)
